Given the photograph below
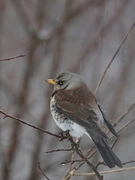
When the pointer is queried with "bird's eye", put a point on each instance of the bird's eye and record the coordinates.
(60, 82)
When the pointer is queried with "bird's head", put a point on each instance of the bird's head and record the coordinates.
(66, 80)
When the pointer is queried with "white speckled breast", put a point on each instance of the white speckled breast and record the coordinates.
(64, 122)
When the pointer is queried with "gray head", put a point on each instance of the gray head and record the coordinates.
(66, 80)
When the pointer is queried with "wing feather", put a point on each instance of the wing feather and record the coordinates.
(82, 116)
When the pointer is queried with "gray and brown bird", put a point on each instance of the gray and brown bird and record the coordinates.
(75, 108)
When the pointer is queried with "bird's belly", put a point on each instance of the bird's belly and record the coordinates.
(65, 123)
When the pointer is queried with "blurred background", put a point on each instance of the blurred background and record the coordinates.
(59, 35)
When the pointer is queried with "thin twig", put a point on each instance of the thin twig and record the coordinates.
(124, 114)
(125, 126)
(105, 172)
(15, 57)
(77, 141)
(42, 171)
(102, 77)
(78, 151)
(114, 143)
(70, 161)
(57, 150)
(128, 162)
(28, 124)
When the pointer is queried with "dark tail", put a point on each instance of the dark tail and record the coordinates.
(106, 152)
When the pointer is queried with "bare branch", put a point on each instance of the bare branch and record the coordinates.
(28, 124)
(105, 172)
(70, 161)
(57, 150)
(15, 57)
(124, 114)
(42, 171)
(125, 126)
(78, 151)
(128, 162)
(127, 35)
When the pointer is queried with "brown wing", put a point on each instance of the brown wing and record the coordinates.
(78, 109)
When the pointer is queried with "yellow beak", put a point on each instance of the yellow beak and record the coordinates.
(51, 81)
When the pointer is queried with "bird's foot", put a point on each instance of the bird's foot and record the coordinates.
(64, 135)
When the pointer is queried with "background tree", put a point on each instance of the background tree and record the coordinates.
(79, 36)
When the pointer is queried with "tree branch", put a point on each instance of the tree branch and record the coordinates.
(127, 35)
(15, 57)
(28, 124)
(105, 172)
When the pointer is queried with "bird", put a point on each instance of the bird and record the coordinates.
(75, 108)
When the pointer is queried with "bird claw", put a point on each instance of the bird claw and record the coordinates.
(64, 135)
